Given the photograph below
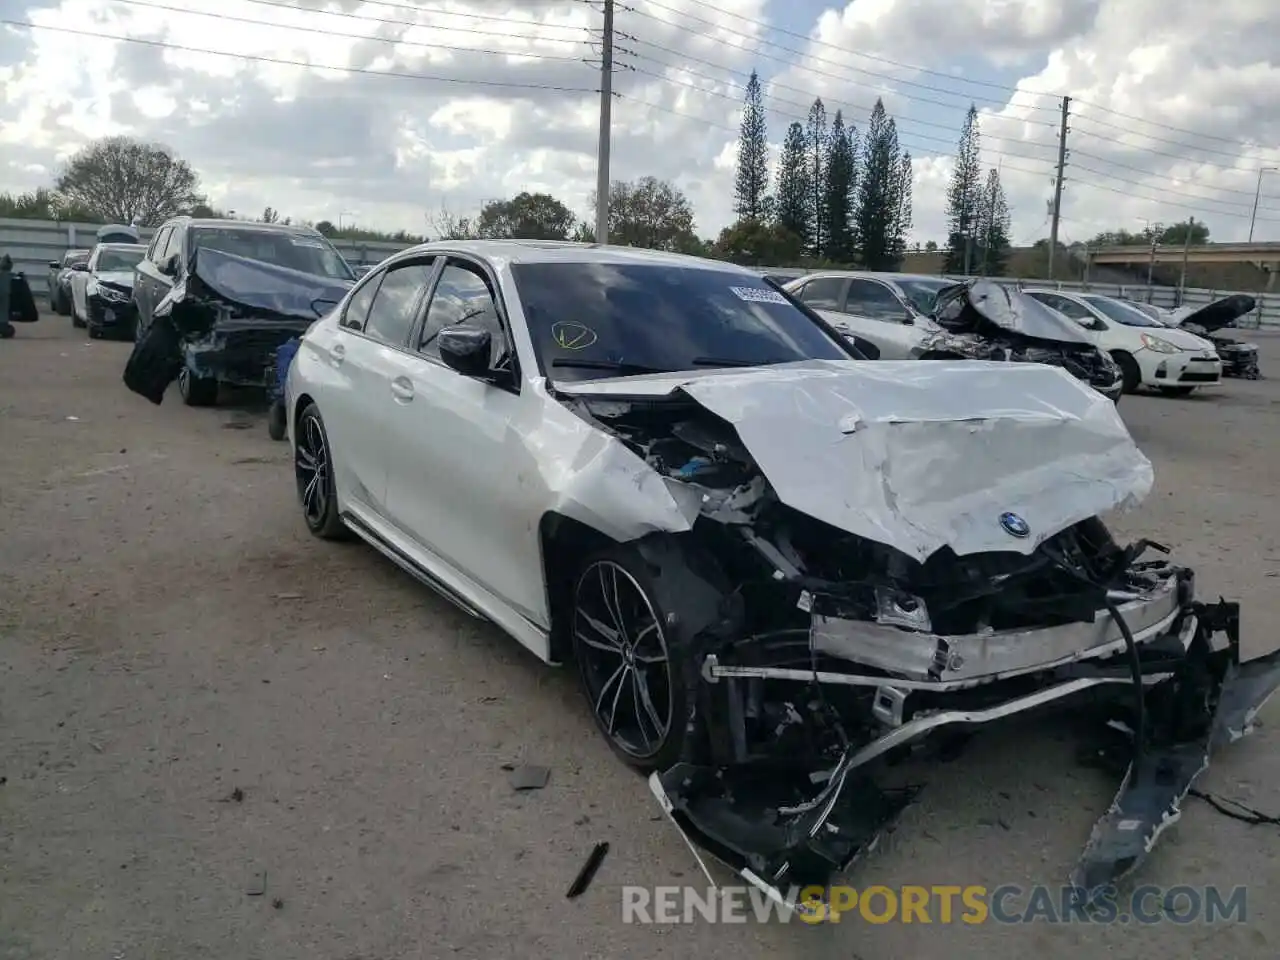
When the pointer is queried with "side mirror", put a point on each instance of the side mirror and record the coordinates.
(80, 267)
(55, 265)
(466, 350)
(169, 266)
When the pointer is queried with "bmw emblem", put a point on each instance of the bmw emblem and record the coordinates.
(1014, 525)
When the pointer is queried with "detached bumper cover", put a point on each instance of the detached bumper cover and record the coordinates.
(782, 829)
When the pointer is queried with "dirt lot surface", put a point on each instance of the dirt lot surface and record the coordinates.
(169, 633)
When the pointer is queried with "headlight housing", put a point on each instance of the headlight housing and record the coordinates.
(1159, 345)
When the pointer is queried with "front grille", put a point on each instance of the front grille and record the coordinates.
(1192, 376)
(121, 311)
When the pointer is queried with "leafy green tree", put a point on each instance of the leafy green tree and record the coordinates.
(816, 145)
(794, 197)
(879, 193)
(752, 185)
(526, 216)
(123, 180)
(901, 201)
(651, 213)
(964, 198)
(839, 199)
(757, 243)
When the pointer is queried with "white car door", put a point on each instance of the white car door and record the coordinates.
(873, 311)
(1093, 327)
(459, 467)
(359, 354)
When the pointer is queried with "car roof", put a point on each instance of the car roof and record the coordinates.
(565, 251)
(247, 225)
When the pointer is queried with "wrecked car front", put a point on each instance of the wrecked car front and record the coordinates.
(225, 318)
(984, 320)
(880, 551)
(1239, 357)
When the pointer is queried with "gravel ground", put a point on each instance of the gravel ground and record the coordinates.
(170, 634)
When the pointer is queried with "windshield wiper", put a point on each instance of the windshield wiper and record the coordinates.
(730, 362)
(615, 365)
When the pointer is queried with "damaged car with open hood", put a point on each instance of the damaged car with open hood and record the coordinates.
(916, 317)
(1213, 322)
(216, 298)
(776, 565)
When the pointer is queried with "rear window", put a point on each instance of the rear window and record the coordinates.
(297, 251)
(595, 320)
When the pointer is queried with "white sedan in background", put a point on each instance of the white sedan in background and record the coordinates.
(1148, 352)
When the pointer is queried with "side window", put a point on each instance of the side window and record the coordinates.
(874, 301)
(156, 253)
(175, 242)
(357, 311)
(392, 314)
(1068, 307)
(461, 296)
(823, 293)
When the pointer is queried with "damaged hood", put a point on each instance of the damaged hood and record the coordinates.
(1214, 316)
(263, 286)
(978, 456)
(116, 278)
(986, 307)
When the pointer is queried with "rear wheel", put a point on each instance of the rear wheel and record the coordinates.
(197, 391)
(313, 472)
(1132, 376)
(628, 667)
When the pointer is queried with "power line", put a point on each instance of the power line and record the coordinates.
(541, 24)
(1159, 153)
(338, 33)
(854, 53)
(881, 76)
(279, 61)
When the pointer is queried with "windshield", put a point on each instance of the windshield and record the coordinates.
(297, 251)
(1120, 313)
(923, 293)
(594, 320)
(76, 256)
(112, 261)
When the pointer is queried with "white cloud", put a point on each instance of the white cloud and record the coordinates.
(314, 142)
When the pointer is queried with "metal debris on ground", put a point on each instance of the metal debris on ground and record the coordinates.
(588, 871)
(530, 777)
(257, 884)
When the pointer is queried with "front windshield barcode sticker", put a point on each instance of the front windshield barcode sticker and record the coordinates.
(758, 295)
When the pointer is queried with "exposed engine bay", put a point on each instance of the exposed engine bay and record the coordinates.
(1239, 357)
(815, 655)
(988, 321)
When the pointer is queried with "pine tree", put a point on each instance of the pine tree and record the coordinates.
(794, 197)
(752, 186)
(902, 207)
(964, 198)
(837, 206)
(878, 191)
(993, 225)
(816, 154)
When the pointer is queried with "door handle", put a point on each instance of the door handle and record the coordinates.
(402, 389)
(337, 353)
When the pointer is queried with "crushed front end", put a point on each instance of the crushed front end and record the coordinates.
(846, 632)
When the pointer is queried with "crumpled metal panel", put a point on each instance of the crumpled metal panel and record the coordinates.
(919, 456)
(270, 287)
(1011, 311)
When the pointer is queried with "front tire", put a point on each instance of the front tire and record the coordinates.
(197, 391)
(629, 669)
(313, 473)
(1129, 371)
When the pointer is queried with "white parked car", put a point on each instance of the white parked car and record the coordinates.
(671, 472)
(102, 290)
(1148, 352)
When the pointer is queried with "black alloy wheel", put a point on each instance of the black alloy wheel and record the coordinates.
(313, 472)
(625, 665)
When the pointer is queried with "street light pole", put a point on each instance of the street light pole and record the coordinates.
(1257, 194)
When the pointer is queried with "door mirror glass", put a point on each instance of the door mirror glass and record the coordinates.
(80, 268)
(466, 350)
(54, 265)
(169, 266)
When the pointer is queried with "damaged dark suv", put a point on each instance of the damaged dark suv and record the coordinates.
(777, 565)
(216, 298)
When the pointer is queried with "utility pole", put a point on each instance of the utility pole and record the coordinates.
(1057, 183)
(1257, 194)
(1151, 264)
(1186, 248)
(606, 119)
